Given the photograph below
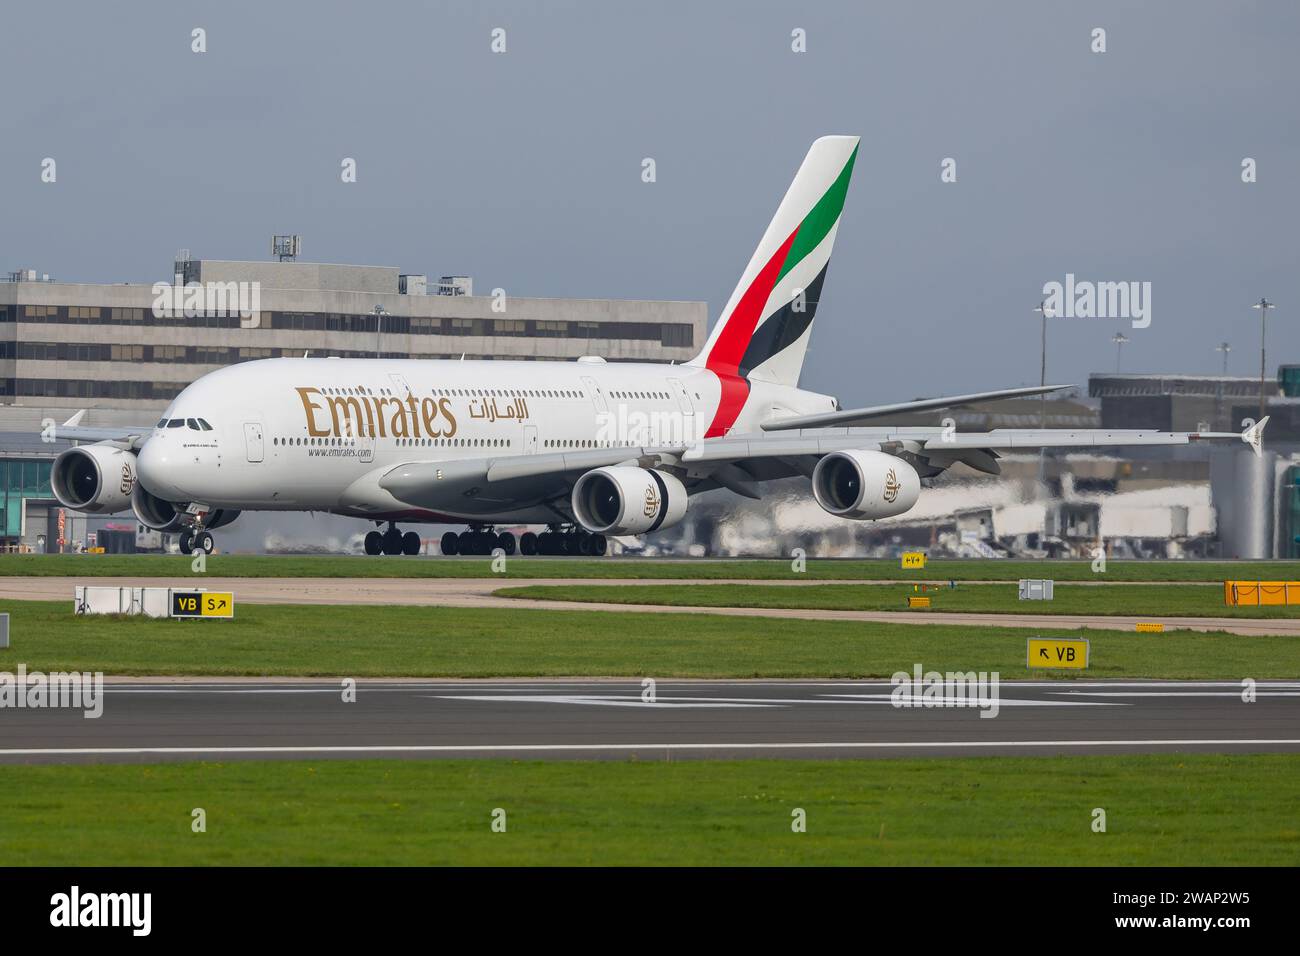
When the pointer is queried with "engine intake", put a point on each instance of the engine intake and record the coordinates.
(625, 499)
(97, 479)
(865, 485)
(153, 512)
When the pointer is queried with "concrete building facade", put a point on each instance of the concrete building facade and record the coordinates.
(74, 345)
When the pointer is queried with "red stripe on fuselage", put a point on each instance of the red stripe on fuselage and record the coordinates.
(724, 358)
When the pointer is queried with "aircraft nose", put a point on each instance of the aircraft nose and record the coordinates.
(155, 468)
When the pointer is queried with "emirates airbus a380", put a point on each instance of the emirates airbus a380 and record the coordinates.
(584, 448)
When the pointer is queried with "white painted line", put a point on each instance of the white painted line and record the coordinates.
(920, 700)
(675, 703)
(680, 702)
(1265, 692)
(556, 748)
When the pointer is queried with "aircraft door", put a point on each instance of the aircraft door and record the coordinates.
(687, 409)
(253, 444)
(597, 395)
(530, 439)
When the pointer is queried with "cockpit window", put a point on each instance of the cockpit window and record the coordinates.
(176, 423)
(204, 425)
(193, 424)
(163, 423)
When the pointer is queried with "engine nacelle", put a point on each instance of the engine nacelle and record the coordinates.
(153, 512)
(159, 515)
(865, 484)
(220, 518)
(97, 479)
(625, 499)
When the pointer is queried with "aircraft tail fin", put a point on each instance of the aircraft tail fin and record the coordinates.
(764, 330)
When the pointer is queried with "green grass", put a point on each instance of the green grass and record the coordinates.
(825, 569)
(355, 641)
(1161, 810)
(1168, 600)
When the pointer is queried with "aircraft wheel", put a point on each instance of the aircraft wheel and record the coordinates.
(450, 543)
(186, 543)
(599, 546)
(392, 542)
(374, 543)
(528, 544)
(410, 543)
(465, 543)
(506, 542)
(204, 542)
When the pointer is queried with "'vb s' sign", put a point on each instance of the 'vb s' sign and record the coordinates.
(1069, 653)
(203, 604)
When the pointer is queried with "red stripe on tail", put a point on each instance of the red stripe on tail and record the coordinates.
(724, 358)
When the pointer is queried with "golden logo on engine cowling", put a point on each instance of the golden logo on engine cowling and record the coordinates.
(128, 480)
(892, 486)
(651, 502)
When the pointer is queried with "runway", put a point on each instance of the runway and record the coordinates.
(157, 719)
(478, 593)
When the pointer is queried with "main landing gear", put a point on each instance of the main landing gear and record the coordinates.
(392, 541)
(575, 542)
(478, 540)
(483, 541)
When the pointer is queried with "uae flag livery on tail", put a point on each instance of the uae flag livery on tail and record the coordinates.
(764, 330)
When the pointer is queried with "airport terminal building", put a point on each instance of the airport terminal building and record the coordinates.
(124, 350)
(74, 345)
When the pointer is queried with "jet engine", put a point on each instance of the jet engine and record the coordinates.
(865, 484)
(625, 499)
(97, 479)
(155, 513)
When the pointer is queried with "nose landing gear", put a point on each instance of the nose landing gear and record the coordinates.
(193, 537)
(191, 542)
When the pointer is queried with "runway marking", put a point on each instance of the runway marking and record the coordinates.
(675, 702)
(921, 699)
(555, 748)
(681, 702)
(261, 684)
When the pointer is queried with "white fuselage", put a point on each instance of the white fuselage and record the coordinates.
(317, 434)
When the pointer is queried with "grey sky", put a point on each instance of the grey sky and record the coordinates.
(523, 169)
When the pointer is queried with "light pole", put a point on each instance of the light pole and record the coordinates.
(1225, 348)
(1119, 338)
(1263, 305)
(378, 312)
(1043, 310)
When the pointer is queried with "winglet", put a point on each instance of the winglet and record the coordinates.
(1254, 435)
(75, 420)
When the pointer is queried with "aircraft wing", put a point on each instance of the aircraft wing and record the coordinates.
(855, 416)
(132, 436)
(816, 441)
(737, 462)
